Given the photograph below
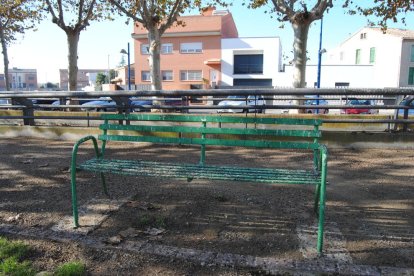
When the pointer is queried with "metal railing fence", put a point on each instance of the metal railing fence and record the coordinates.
(206, 101)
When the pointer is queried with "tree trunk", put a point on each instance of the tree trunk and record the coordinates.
(73, 41)
(299, 54)
(5, 59)
(154, 39)
(300, 58)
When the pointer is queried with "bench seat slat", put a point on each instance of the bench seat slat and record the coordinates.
(191, 171)
(212, 119)
(216, 142)
(212, 130)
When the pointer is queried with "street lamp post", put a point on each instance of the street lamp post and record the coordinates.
(129, 66)
(109, 74)
(318, 81)
(320, 52)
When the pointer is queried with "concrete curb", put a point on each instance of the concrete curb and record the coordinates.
(209, 258)
(332, 138)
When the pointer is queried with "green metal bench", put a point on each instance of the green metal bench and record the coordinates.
(210, 130)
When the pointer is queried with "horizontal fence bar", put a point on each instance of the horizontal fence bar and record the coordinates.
(98, 118)
(215, 92)
(18, 107)
(26, 102)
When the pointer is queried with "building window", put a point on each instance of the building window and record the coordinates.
(358, 56)
(363, 36)
(341, 56)
(145, 76)
(372, 55)
(167, 48)
(191, 75)
(145, 49)
(167, 75)
(411, 76)
(30, 78)
(189, 48)
(412, 53)
(248, 64)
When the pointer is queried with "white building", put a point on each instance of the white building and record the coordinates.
(367, 59)
(250, 61)
(389, 57)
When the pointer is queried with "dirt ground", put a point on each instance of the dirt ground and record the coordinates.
(370, 209)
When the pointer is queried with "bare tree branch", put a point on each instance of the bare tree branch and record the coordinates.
(127, 12)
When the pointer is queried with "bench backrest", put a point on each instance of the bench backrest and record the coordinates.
(242, 131)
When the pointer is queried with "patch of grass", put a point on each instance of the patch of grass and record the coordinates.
(71, 269)
(11, 266)
(12, 249)
(144, 221)
(160, 222)
(12, 254)
(12, 263)
(152, 221)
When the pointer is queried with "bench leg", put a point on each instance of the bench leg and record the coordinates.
(104, 185)
(322, 198)
(74, 198)
(316, 198)
(321, 221)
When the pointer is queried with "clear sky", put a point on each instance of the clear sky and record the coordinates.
(100, 45)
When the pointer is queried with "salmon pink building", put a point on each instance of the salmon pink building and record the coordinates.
(190, 53)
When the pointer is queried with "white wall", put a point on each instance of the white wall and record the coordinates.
(358, 76)
(406, 62)
(269, 46)
(390, 68)
(385, 69)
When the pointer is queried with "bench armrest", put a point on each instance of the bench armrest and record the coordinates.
(323, 159)
(73, 173)
(76, 147)
(320, 158)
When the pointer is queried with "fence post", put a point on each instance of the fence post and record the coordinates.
(28, 113)
(123, 106)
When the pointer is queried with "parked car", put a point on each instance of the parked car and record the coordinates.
(315, 101)
(43, 101)
(4, 102)
(241, 101)
(356, 102)
(404, 103)
(57, 102)
(102, 104)
(138, 105)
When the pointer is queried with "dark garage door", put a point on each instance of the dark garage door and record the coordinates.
(252, 82)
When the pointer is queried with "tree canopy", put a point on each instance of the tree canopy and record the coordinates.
(300, 14)
(157, 16)
(383, 11)
(74, 16)
(16, 16)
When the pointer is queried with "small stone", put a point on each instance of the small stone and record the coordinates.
(114, 240)
(13, 218)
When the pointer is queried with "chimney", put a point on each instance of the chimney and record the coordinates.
(208, 11)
